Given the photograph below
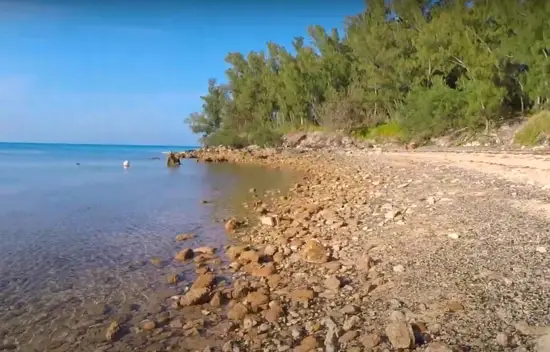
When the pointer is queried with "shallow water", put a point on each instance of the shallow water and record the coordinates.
(77, 241)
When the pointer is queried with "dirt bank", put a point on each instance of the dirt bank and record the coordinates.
(383, 251)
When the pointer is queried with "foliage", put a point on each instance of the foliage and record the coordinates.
(410, 67)
(535, 129)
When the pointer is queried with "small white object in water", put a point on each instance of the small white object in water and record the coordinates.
(126, 164)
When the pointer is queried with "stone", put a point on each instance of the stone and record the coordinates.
(184, 237)
(237, 312)
(205, 250)
(331, 338)
(308, 344)
(399, 268)
(249, 323)
(173, 279)
(370, 341)
(363, 263)
(503, 339)
(249, 256)
(205, 280)
(453, 236)
(273, 280)
(351, 322)
(184, 254)
(332, 283)
(348, 336)
(541, 249)
(301, 295)
(233, 252)
(454, 306)
(232, 225)
(348, 309)
(216, 300)
(400, 334)
(314, 252)
(195, 296)
(438, 347)
(256, 299)
(112, 331)
(147, 325)
(273, 313)
(264, 270)
(270, 250)
(269, 220)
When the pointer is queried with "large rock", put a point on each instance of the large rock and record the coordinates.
(195, 296)
(256, 299)
(237, 312)
(185, 254)
(400, 334)
(315, 252)
(172, 160)
(205, 280)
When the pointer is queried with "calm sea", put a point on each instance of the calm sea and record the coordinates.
(77, 237)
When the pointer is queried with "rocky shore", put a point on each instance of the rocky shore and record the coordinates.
(369, 254)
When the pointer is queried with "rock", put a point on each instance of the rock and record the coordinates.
(331, 338)
(454, 306)
(438, 347)
(184, 254)
(348, 309)
(541, 249)
(172, 160)
(453, 236)
(273, 313)
(237, 312)
(173, 279)
(273, 280)
(112, 331)
(264, 270)
(296, 333)
(400, 334)
(195, 296)
(315, 252)
(332, 283)
(269, 220)
(147, 325)
(233, 252)
(250, 256)
(503, 339)
(256, 299)
(308, 344)
(205, 250)
(216, 300)
(363, 263)
(370, 341)
(249, 323)
(205, 280)
(232, 225)
(348, 336)
(399, 268)
(302, 295)
(240, 289)
(270, 250)
(351, 322)
(184, 237)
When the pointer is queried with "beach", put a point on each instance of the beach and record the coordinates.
(359, 249)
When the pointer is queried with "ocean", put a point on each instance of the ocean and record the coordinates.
(84, 241)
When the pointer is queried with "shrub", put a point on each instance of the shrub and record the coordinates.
(536, 129)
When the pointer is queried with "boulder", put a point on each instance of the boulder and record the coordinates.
(172, 160)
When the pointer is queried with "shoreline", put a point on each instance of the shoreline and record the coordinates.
(315, 272)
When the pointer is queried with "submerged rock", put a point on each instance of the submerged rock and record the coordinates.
(172, 160)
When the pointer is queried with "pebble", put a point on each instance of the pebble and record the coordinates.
(503, 339)
(438, 347)
(332, 283)
(400, 334)
(541, 249)
(370, 341)
(399, 268)
(453, 235)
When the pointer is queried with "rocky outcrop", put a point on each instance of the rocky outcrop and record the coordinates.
(172, 160)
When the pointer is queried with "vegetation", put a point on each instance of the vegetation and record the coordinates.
(417, 68)
(536, 130)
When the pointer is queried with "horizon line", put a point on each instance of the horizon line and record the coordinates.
(102, 144)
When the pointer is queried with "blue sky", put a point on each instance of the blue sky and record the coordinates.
(92, 72)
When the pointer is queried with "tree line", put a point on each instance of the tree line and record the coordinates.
(416, 69)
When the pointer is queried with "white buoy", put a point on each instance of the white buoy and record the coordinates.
(126, 164)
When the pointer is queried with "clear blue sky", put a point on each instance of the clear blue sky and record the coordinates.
(92, 72)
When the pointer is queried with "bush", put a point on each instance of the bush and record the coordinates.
(535, 130)
(265, 136)
(225, 137)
